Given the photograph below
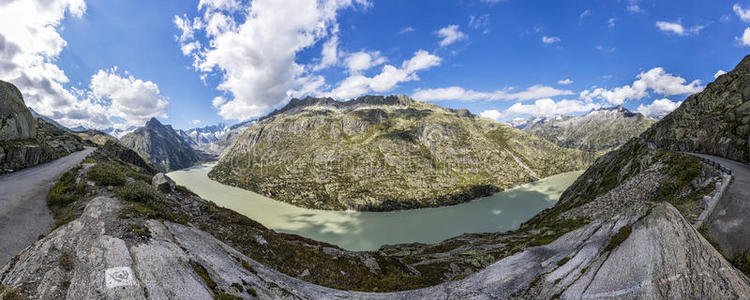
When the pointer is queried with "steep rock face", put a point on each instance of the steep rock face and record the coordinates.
(26, 141)
(714, 121)
(384, 153)
(597, 130)
(161, 145)
(16, 121)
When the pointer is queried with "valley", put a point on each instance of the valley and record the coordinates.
(368, 149)
(368, 231)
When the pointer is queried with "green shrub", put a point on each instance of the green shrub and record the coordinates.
(618, 238)
(106, 174)
(66, 260)
(12, 294)
(138, 191)
(742, 262)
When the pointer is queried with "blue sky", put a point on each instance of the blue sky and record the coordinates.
(194, 63)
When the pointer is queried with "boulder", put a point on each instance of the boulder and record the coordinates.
(161, 182)
(16, 121)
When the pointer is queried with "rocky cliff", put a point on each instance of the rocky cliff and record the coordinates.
(26, 141)
(598, 130)
(161, 146)
(714, 121)
(384, 153)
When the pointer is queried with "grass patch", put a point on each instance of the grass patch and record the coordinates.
(203, 273)
(184, 190)
(106, 174)
(563, 261)
(139, 230)
(138, 191)
(618, 238)
(66, 197)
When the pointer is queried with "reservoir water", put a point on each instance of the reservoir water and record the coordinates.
(351, 230)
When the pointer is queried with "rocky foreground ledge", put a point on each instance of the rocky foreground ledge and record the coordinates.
(662, 256)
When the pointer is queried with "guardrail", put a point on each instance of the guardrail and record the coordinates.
(710, 201)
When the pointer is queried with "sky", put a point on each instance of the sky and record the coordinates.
(118, 63)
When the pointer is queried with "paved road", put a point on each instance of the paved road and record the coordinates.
(23, 208)
(729, 224)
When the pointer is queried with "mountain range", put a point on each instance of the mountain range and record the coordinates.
(599, 130)
(162, 146)
(384, 153)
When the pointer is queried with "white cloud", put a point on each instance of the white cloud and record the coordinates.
(550, 39)
(658, 109)
(389, 77)
(745, 39)
(565, 81)
(719, 73)
(407, 29)
(195, 122)
(256, 57)
(677, 28)
(605, 49)
(633, 7)
(134, 100)
(480, 22)
(548, 107)
(584, 14)
(329, 53)
(360, 61)
(611, 22)
(218, 101)
(491, 114)
(744, 14)
(450, 34)
(29, 48)
(458, 93)
(656, 80)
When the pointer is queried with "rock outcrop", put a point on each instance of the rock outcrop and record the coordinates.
(16, 122)
(384, 153)
(715, 121)
(161, 145)
(26, 141)
(599, 130)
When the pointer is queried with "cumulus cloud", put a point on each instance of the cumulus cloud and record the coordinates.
(461, 94)
(29, 47)
(744, 14)
(480, 23)
(362, 60)
(450, 34)
(565, 81)
(656, 80)
(134, 100)
(719, 73)
(633, 7)
(195, 122)
(254, 48)
(550, 39)
(387, 79)
(677, 28)
(491, 114)
(745, 39)
(659, 108)
(541, 108)
(611, 22)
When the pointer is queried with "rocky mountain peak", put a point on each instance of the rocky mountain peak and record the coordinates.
(153, 123)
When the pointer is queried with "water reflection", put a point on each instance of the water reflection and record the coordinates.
(370, 230)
